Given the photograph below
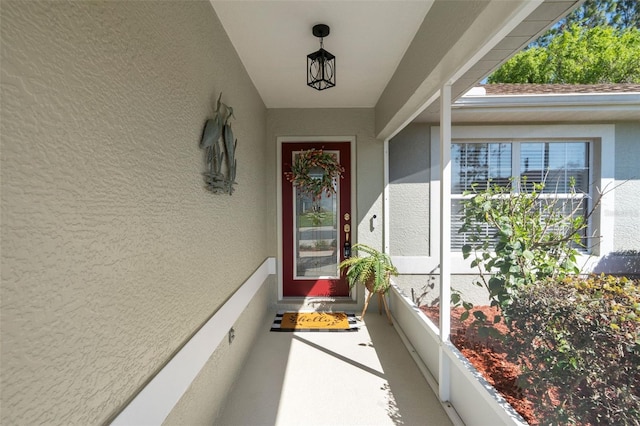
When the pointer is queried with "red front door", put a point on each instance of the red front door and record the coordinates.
(314, 231)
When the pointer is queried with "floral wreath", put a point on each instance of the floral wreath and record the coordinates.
(301, 168)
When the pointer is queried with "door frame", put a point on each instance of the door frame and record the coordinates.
(354, 208)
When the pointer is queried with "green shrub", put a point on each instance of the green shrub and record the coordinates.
(534, 238)
(580, 341)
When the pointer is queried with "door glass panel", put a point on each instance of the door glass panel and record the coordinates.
(316, 236)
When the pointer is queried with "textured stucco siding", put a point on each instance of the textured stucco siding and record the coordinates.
(409, 180)
(113, 253)
(204, 400)
(627, 175)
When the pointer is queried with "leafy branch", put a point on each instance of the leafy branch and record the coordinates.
(535, 237)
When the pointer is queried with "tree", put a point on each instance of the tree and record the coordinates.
(619, 14)
(599, 42)
(579, 55)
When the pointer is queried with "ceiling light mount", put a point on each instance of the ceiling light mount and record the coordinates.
(321, 30)
(321, 65)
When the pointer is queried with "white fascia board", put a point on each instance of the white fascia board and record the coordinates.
(628, 101)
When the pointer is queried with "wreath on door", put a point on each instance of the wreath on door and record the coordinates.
(315, 184)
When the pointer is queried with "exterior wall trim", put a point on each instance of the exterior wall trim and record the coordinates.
(154, 402)
(577, 102)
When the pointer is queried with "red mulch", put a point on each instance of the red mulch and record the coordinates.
(489, 357)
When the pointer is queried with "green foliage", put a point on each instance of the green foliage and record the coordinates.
(578, 55)
(580, 339)
(534, 239)
(528, 66)
(374, 268)
(619, 14)
(596, 43)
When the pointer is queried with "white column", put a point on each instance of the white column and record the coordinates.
(385, 201)
(445, 238)
(385, 209)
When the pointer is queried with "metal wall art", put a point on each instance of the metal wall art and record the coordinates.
(219, 157)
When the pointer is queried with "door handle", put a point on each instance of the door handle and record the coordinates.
(347, 244)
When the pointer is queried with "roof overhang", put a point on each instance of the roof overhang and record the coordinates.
(543, 108)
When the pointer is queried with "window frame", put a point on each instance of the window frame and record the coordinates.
(601, 166)
(515, 148)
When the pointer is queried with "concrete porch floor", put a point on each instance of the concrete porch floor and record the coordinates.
(351, 378)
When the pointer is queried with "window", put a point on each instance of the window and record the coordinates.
(558, 163)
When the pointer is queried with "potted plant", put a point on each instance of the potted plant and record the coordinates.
(373, 269)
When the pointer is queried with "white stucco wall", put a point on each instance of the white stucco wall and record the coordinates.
(113, 253)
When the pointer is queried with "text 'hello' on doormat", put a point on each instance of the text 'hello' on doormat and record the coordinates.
(315, 321)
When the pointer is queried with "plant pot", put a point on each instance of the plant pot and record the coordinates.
(370, 283)
(382, 300)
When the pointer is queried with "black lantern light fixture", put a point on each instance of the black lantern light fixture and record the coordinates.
(321, 65)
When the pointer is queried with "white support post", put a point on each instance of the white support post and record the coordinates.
(445, 237)
(385, 207)
(385, 201)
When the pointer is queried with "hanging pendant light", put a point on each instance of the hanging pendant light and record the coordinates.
(321, 65)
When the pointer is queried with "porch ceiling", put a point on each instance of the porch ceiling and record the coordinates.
(393, 55)
(273, 39)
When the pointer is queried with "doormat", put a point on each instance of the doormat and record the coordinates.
(314, 321)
